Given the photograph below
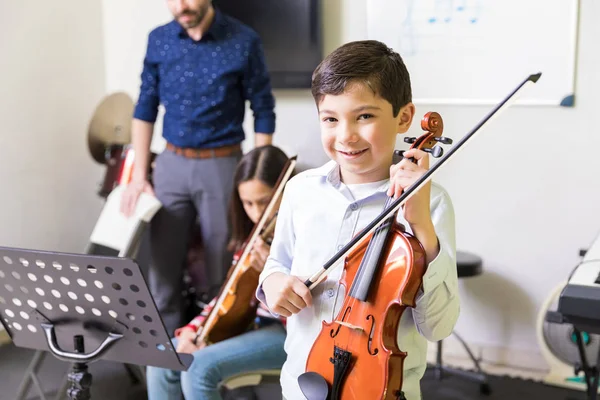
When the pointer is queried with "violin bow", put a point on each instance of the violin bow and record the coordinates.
(408, 192)
(284, 176)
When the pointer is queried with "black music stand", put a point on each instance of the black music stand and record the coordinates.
(98, 306)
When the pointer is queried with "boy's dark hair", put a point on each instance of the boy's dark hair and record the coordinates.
(369, 62)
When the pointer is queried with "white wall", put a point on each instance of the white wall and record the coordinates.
(51, 78)
(526, 192)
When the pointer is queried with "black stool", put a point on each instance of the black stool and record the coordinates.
(468, 265)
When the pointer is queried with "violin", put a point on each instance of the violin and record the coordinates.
(356, 356)
(234, 309)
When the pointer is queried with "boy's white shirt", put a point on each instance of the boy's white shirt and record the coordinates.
(317, 217)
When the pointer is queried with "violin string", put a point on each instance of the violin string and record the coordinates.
(368, 255)
(379, 236)
(367, 264)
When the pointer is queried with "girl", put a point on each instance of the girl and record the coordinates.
(259, 348)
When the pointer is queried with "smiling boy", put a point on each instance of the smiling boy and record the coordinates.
(363, 95)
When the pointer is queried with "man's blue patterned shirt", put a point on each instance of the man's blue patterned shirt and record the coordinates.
(204, 84)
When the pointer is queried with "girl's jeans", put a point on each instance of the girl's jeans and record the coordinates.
(250, 351)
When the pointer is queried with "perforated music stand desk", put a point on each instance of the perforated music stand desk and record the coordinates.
(56, 301)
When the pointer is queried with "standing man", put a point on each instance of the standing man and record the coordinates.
(202, 67)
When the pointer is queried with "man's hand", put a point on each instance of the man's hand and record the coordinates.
(131, 195)
(185, 342)
(286, 294)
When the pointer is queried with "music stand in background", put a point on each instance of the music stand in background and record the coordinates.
(82, 308)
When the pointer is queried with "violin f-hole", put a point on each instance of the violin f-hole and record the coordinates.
(370, 341)
(334, 333)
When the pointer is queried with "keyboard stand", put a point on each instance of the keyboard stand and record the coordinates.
(591, 372)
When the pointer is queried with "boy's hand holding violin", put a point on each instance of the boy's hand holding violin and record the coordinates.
(417, 211)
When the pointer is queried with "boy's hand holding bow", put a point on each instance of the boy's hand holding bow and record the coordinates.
(286, 294)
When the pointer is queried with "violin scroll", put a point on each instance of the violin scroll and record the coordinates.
(433, 125)
(432, 122)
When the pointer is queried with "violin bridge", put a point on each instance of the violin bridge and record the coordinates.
(348, 325)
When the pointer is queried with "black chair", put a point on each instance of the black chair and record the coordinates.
(468, 265)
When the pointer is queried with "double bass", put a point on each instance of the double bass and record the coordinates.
(356, 356)
(234, 310)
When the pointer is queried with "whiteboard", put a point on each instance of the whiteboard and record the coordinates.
(477, 51)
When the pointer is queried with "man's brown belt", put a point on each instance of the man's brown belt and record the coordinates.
(224, 151)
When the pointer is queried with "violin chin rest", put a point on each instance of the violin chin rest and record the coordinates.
(313, 386)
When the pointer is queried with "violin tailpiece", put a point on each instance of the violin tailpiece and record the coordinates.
(341, 361)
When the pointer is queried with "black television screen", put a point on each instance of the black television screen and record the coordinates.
(291, 34)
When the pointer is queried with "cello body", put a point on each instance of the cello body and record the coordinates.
(357, 353)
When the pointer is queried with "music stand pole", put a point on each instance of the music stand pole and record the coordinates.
(54, 301)
(80, 378)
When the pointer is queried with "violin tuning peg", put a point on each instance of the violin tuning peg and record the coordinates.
(443, 139)
(436, 151)
(399, 153)
(410, 140)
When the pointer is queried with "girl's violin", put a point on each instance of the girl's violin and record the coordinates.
(356, 356)
(234, 308)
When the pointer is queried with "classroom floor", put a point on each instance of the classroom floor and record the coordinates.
(111, 381)
(503, 387)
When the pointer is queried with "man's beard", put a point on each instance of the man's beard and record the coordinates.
(196, 17)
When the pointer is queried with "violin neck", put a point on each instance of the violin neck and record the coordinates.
(362, 283)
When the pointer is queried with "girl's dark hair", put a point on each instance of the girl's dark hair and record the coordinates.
(264, 163)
